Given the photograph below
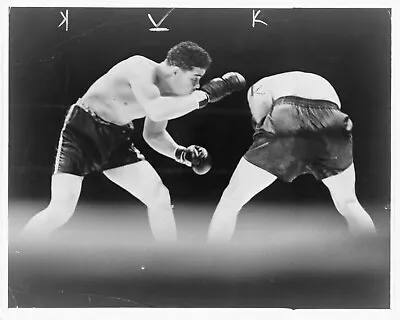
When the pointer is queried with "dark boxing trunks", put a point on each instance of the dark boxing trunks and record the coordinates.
(88, 143)
(301, 136)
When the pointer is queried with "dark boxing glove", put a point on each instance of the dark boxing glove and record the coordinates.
(218, 88)
(195, 157)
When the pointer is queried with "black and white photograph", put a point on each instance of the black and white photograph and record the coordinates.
(197, 158)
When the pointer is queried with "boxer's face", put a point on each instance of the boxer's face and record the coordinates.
(184, 82)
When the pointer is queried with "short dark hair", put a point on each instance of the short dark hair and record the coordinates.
(188, 55)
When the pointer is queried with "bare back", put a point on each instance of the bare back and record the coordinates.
(301, 84)
(111, 97)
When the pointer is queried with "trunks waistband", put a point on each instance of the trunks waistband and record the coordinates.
(98, 119)
(305, 103)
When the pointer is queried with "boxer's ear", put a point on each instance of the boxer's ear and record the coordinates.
(175, 70)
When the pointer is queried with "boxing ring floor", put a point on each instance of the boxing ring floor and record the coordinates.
(283, 255)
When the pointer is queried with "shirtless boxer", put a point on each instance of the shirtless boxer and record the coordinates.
(97, 134)
(299, 129)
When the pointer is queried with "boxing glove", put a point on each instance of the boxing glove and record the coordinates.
(195, 157)
(218, 88)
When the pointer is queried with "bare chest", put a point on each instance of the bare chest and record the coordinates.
(114, 100)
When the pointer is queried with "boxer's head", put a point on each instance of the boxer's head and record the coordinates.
(185, 64)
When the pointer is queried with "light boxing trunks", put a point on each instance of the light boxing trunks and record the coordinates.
(301, 136)
(88, 143)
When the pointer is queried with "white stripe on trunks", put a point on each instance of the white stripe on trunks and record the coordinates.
(60, 141)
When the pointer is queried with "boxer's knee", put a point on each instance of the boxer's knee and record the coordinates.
(61, 209)
(158, 196)
(348, 203)
(344, 202)
(65, 193)
(230, 203)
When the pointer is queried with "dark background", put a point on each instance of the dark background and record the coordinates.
(301, 258)
(50, 68)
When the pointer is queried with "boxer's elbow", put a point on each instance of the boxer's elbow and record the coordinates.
(149, 134)
(154, 113)
(150, 138)
(153, 133)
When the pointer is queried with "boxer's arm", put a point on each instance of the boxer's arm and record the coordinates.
(167, 108)
(157, 137)
(159, 108)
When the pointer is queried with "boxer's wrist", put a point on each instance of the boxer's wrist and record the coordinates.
(201, 97)
(179, 155)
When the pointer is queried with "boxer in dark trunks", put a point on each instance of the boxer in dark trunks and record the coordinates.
(298, 129)
(97, 134)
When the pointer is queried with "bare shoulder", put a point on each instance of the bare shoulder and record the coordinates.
(137, 66)
(139, 72)
(140, 61)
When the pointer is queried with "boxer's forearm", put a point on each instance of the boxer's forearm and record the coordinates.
(163, 143)
(167, 108)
